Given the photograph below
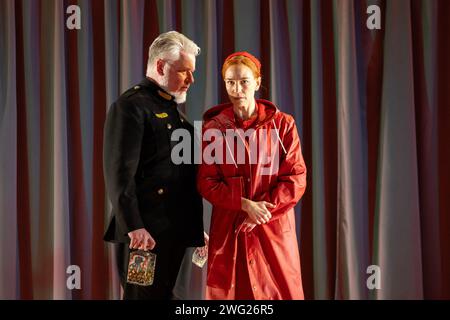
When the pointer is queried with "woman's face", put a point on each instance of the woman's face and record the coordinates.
(241, 85)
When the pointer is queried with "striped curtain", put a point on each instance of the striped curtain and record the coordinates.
(372, 107)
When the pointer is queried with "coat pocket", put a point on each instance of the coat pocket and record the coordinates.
(280, 225)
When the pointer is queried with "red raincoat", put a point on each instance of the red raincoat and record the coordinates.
(263, 263)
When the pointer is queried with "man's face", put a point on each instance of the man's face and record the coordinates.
(179, 75)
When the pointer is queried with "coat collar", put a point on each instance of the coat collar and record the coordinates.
(223, 115)
(157, 90)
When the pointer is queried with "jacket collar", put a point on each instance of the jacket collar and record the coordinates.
(224, 118)
(157, 90)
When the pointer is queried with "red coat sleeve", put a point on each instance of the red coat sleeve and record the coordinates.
(291, 179)
(220, 191)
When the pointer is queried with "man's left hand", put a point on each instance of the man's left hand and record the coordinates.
(206, 237)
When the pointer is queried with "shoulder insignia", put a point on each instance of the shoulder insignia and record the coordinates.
(131, 91)
(165, 95)
(161, 115)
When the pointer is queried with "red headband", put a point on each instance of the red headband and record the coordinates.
(247, 55)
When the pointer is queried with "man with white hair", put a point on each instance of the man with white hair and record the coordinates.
(155, 204)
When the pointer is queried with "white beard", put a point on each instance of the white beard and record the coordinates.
(180, 97)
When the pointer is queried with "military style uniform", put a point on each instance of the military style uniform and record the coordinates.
(146, 189)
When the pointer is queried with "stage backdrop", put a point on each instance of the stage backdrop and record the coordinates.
(372, 107)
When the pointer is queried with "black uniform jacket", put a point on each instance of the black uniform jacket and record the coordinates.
(146, 189)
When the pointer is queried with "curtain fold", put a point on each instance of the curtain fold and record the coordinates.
(398, 242)
(352, 240)
(9, 236)
(372, 110)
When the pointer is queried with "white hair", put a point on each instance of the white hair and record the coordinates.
(168, 46)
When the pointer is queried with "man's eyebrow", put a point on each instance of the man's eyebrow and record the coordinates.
(185, 69)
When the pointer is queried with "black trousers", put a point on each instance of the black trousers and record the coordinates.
(169, 256)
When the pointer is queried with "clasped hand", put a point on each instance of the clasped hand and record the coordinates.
(258, 213)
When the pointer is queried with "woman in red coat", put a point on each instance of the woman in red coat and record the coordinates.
(253, 174)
